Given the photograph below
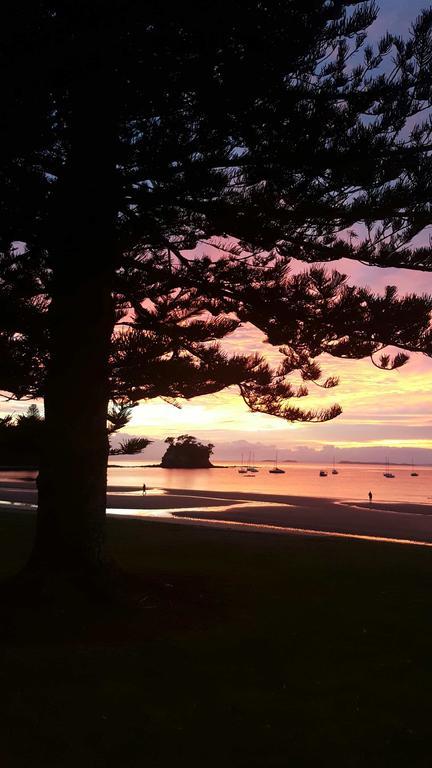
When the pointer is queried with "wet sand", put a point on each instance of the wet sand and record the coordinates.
(301, 513)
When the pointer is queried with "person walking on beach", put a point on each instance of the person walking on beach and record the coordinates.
(370, 497)
(144, 489)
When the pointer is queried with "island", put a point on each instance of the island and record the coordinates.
(185, 452)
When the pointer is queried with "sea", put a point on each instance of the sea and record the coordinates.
(352, 483)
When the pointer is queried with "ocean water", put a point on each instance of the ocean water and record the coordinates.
(353, 481)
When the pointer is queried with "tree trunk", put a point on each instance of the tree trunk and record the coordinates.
(72, 478)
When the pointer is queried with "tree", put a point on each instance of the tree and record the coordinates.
(134, 132)
(185, 452)
(130, 446)
(21, 438)
(118, 417)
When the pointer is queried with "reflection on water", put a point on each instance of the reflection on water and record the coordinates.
(172, 515)
(354, 481)
(262, 527)
(19, 475)
(148, 492)
(160, 513)
(282, 529)
(18, 504)
(386, 511)
(200, 509)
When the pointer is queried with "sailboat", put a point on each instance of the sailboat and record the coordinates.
(276, 470)
(413, 474)
(387, 473)
(242, 470)
(251, 467)
(334, 470)
(247, 468)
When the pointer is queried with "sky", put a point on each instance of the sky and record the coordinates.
(385, 413)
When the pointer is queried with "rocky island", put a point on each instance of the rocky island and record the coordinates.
(185, 452)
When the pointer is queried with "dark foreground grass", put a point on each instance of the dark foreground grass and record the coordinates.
(245, 650)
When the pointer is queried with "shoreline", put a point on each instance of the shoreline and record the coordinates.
(300, 515)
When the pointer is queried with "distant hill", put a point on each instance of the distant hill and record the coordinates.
(381, 463)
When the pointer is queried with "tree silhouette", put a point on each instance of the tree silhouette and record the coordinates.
(134, 133)
(130, 446)
(21, 438)
(186, 452)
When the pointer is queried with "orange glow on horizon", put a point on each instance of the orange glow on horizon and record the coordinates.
(380, 408)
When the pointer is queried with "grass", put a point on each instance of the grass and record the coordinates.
(246, 650)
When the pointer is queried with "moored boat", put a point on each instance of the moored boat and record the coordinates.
(251, 467)
(242, 470)
(276, 470)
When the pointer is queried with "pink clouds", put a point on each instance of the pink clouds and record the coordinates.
(380, 407)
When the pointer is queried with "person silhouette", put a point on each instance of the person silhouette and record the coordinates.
(370, 497)
(144, 489)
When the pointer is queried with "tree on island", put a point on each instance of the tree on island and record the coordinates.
(185, 452)
(131, 135)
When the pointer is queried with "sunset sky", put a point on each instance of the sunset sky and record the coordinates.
(383, 412)
(388, 409)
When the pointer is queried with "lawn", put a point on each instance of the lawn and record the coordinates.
(245, 650)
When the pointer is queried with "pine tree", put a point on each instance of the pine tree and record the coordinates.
(133, 133)
(21, 438)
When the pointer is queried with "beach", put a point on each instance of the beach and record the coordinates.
(247, 510)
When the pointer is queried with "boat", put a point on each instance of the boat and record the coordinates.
(334, 470)
(413, 473)
(242, 470)
(323, 473)
(387, 473)
(276, 470)
(251, 467)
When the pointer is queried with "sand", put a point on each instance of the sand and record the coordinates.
(296, 513)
